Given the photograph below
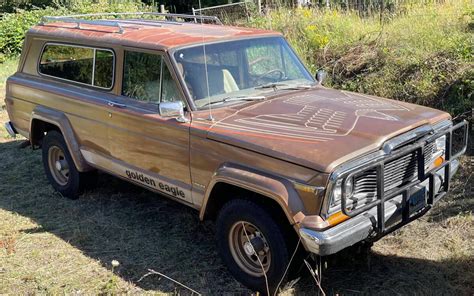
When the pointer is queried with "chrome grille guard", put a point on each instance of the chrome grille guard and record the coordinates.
(377, 160)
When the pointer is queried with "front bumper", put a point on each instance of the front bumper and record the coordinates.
(361, 227)
(391, 210)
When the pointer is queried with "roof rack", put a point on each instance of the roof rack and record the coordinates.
(77, 19)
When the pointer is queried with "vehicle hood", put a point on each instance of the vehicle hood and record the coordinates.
(318, 128)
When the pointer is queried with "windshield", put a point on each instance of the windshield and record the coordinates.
(241, 68)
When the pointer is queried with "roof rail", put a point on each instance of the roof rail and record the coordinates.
(78, 22)
(77, 19)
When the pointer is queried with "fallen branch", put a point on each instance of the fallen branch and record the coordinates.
(288, 266)
(260, 262)
(316, 275)
(151, 272)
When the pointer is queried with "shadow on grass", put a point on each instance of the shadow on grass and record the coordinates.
(142, 230)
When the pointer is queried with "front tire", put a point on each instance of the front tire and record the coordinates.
(248, 239)
(59, 167)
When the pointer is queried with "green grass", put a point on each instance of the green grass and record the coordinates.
(7, 68)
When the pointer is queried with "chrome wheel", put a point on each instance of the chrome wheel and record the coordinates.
(58, 165)
(249, 248)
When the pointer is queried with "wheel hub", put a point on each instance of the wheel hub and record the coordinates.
(249, 248)
(58, 165)
(61, 165)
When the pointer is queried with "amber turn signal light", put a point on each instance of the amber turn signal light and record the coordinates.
(438, 161)
(337, 218)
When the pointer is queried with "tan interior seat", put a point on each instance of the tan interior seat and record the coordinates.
(221, 81)
(229, 82)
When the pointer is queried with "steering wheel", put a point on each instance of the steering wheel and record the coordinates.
(261, 76)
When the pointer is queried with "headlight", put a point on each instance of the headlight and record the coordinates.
(337, 193)
(439, 150)
(440, 144)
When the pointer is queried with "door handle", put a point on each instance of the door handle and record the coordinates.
(115, 104)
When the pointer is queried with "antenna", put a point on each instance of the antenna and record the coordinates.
(210, 118)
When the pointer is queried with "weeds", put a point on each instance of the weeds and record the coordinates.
(13, 26)
(423, 56)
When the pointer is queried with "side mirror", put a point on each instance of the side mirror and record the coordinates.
(172, 109)
(320, 76)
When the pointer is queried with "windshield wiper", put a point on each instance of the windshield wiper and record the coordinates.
(300, 86)
(271, 85)
(238, 98)
(286, 86)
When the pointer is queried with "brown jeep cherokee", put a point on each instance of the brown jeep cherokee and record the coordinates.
(228, 121)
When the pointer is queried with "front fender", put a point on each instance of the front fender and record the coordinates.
(60, 120)
(277, 188)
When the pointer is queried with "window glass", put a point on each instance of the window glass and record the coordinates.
(147, 78)
(141, 76)
(77, 64)
(68, 62)
(104, 69)
(264, 58)
(239, 68)
(169, 90)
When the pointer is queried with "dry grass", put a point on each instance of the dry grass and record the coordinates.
(51, 245)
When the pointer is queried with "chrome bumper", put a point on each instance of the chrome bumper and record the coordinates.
(10, 129)
(361, 227)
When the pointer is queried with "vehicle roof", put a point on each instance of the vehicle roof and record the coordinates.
(136, 32)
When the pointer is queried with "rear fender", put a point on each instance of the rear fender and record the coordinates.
(59, 119)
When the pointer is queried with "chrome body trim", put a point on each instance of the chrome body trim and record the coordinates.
(173, 109)
(10, 129)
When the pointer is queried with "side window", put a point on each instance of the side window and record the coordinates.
(104, 68)
(79, 64)
(141, 76)
(147, 78)
(169, 92)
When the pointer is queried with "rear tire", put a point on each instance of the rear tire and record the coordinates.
(60, 168)
(239, 220)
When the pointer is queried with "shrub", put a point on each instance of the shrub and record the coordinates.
(424, 55)
(13, 26)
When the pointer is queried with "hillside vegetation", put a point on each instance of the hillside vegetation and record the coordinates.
(423, 55)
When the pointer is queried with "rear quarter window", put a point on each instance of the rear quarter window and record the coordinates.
(79, 64)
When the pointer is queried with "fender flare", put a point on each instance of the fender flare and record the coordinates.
(59, 119)
(277, 188)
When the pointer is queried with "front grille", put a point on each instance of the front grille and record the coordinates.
(397, 172)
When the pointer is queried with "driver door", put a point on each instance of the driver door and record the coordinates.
(146, 148)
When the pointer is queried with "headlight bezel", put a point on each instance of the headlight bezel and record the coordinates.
(336, 194)
(439, 147)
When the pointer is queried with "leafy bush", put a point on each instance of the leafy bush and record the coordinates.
(13, 5)
(424, 55)
(13, 26)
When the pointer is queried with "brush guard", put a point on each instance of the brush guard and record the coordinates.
(458, 132)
